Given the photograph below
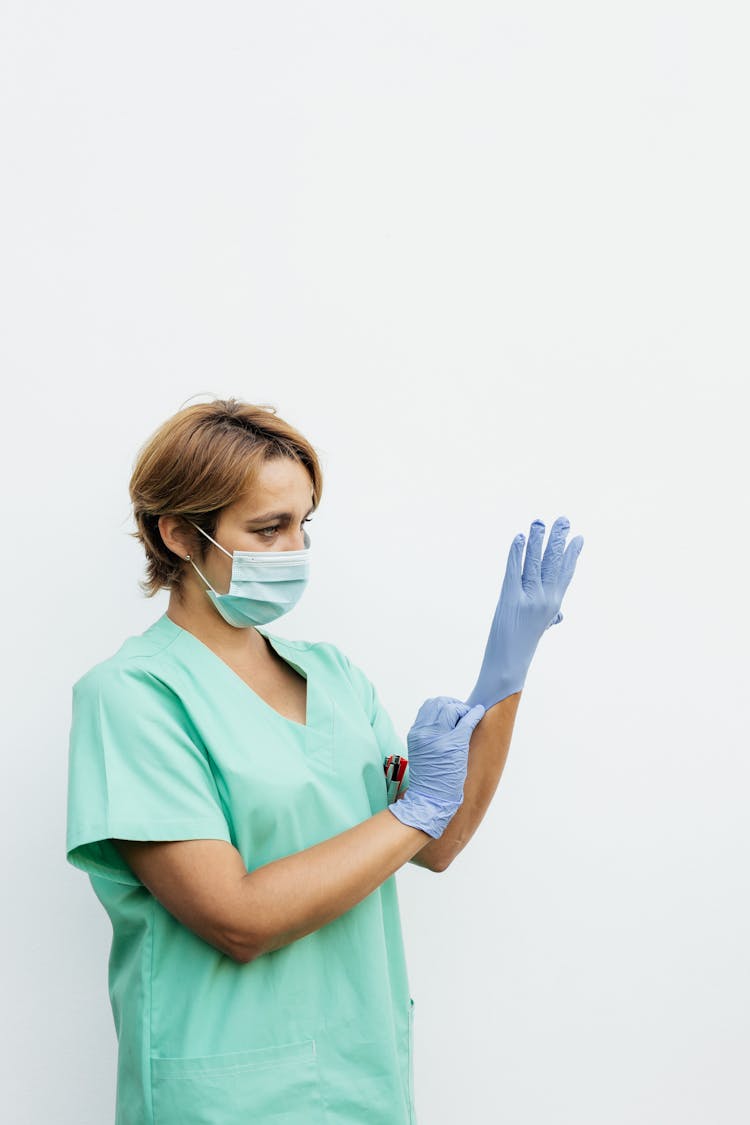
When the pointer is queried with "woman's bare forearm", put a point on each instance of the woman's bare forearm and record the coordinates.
(290, 897)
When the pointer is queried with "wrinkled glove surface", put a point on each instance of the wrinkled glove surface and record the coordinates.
(438, 745)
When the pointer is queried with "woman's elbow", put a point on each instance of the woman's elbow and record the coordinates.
(241, 947)
(440, 864)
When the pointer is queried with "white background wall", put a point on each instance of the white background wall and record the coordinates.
(492, 260)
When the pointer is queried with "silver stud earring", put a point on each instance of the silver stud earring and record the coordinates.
(187, 558)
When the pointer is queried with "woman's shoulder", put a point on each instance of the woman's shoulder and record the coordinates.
(134, 661)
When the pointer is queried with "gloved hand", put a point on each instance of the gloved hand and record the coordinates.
(529, 604)
(438, 745)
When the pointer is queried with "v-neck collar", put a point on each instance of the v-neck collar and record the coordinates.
(319, 707)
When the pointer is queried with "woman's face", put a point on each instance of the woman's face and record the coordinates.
(269, 518)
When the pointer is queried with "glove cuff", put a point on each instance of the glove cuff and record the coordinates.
(428, 815)
(490, 694)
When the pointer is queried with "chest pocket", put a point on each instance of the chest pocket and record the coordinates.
(278, 1084)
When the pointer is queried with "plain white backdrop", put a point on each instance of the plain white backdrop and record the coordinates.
(491, 258)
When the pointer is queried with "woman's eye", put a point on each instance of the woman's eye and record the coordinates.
(273, 530)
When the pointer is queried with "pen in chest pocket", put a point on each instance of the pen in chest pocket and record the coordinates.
(395, 768)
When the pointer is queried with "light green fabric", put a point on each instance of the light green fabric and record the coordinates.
(168, 743)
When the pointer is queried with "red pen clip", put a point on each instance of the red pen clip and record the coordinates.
(395, 768)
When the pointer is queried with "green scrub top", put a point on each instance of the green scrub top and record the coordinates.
(168, 743)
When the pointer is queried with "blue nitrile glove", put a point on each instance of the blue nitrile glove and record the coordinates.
(438, 744)
(529, 604)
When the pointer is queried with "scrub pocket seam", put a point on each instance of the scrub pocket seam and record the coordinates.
(255, 1058)
(257, 1084)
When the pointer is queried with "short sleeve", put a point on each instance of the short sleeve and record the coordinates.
(136, 771)
(389, 740)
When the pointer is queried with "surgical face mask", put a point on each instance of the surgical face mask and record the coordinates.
(264, 584)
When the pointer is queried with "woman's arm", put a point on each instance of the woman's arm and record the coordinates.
(206, 886)
(488, 750)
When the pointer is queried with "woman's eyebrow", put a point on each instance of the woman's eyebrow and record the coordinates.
(274, 516)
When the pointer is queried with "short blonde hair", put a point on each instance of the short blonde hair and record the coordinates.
(199, 462)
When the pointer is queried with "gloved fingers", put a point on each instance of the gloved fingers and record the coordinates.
(555, 621)
(512, 580)
(472, 717)
(443, 710)
(530, 577)
(450, 710)
(427, 712)
(453, 712)
(568, 565)
(554, 553)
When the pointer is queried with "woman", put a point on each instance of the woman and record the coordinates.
(227, 798)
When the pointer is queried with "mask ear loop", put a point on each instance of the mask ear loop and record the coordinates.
(188, 559)
(228, 553)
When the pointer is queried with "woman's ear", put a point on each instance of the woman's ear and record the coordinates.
(175, 535)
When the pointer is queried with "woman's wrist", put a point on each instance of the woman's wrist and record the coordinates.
(428, 814)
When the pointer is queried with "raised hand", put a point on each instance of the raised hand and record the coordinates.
(529, 604)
